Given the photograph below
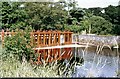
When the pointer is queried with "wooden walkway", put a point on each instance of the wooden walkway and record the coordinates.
(61, 46)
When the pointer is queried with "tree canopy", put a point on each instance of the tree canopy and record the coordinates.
(62, 15)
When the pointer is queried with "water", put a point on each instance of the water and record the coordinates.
(97, 63)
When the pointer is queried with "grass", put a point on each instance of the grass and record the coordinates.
(10, 67)
(17, 69)
(13, 68)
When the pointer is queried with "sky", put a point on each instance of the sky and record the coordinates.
(83, 3)
(96, 3)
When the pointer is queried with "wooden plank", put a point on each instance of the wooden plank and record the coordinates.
(61, 46)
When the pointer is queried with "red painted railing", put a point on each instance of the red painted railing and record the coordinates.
(44, 39)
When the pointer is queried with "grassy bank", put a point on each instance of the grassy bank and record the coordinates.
(11, 67)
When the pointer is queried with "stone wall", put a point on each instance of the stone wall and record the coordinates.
(96, 39)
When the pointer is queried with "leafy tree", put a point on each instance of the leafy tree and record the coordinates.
(46, 15)
(97, 25)
(86, 23)
(100, 26)
(76, 13)
(111, 13)
(74, 27)
(0, 15)
(13, 16)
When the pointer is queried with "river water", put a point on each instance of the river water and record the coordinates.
(98, 62)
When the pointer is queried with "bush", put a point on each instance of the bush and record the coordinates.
(19, 45)
(73, 28)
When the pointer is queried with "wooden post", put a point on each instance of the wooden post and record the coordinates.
(43, 38)
(42, 41)
(70, 37)
(49, 38)
(59, 54)
(54, 38)
(65, 37)
(59, 37)
(38, 39)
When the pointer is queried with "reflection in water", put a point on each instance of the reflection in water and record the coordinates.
(97, 62)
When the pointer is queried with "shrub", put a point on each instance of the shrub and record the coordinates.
(73, 28)
(19, 45)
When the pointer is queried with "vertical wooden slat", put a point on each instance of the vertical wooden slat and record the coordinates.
(58, 37)
(38, 41)
(54, 38)
(49, 38)
(43, 38)
(70, 38)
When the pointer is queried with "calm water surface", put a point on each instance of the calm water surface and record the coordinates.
(97, 62)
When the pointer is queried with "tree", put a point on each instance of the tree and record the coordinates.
(97, 25)
(100, 26)
(86, 22)
(0, 15)
(111, 13)
(46, 15)
(13, 16)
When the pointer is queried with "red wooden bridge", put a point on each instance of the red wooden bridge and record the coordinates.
(50, 45)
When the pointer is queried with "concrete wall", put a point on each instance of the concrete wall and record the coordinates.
(96, 39)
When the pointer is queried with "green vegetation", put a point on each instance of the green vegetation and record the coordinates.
(12, 67)
(61, 15)
(111, 14)
(97, 25)
(48, 16)
(19, 45)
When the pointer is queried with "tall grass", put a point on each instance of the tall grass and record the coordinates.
(10, 67)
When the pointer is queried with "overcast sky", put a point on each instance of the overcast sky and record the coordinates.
(96, 3)
(83, 3)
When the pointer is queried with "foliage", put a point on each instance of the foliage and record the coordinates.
(54, 16)
(77, 13)
(73, 28)
(19, 45)
(110, 13)
(13, 16)
(46, 16)
(97, 25)
(14, 68)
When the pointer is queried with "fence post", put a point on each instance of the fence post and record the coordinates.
(49, 38)
(43, 38)
(70, 37)
(59, 33)
(38, 39)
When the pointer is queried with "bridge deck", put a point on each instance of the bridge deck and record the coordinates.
(62, 46)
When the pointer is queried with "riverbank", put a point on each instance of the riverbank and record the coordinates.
(10, 67)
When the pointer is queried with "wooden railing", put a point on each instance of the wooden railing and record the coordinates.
(47, 38)
(44, 38)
